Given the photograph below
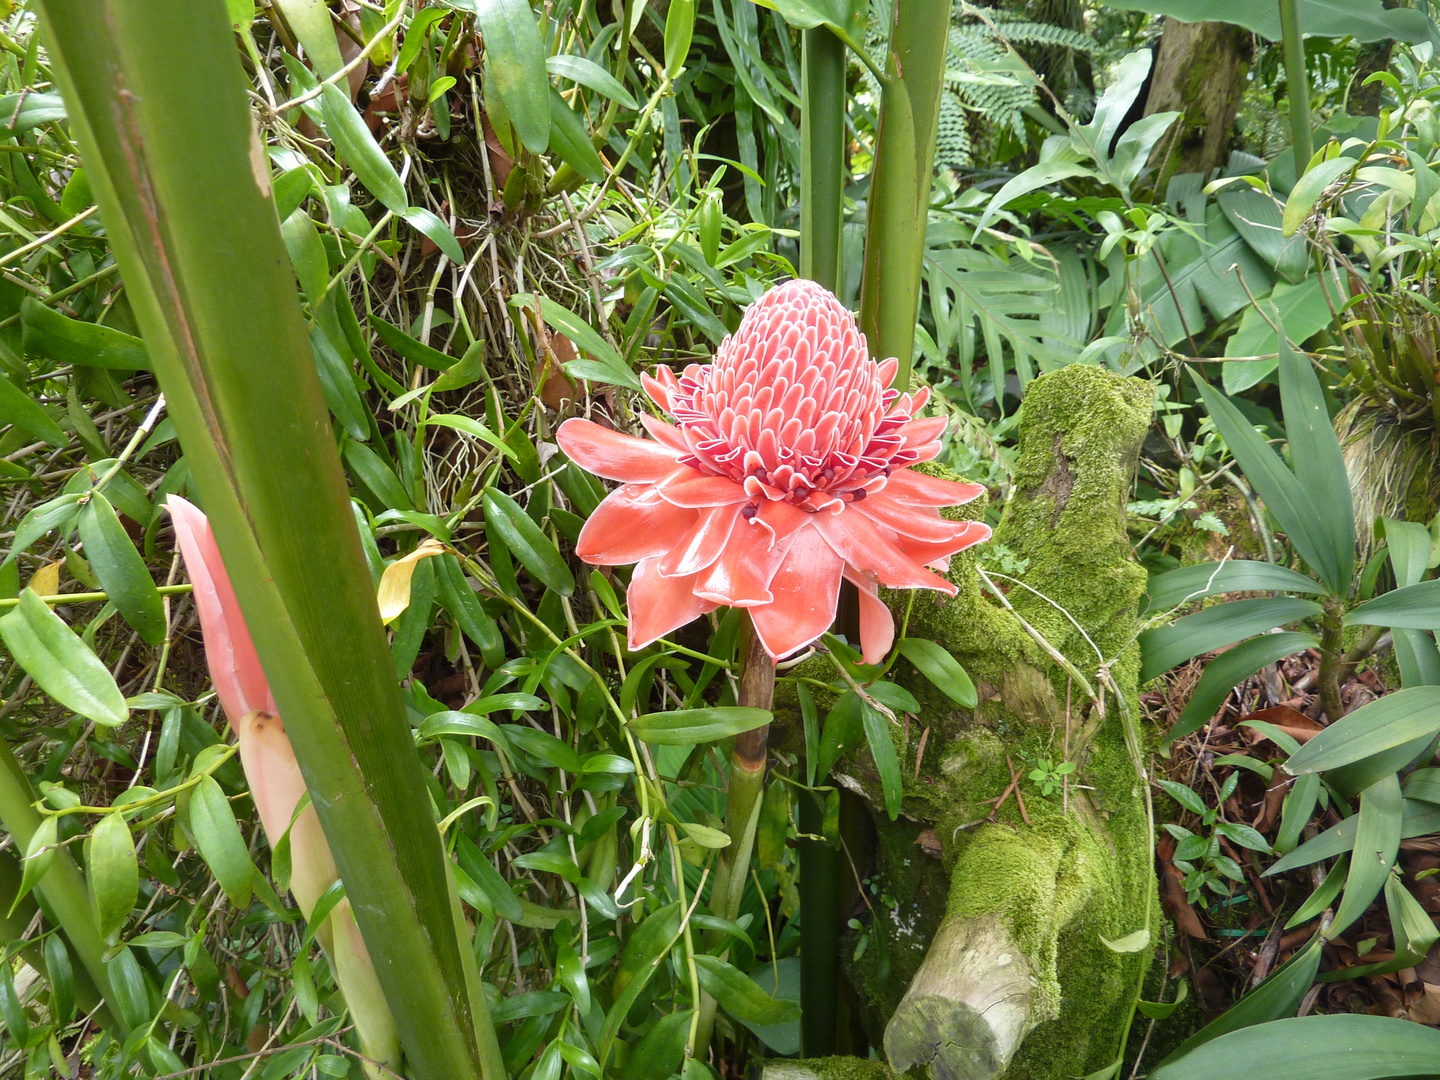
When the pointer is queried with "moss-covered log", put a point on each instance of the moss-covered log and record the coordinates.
(988, 960)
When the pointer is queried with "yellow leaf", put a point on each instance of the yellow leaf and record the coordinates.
(394, 592)
(46, 581)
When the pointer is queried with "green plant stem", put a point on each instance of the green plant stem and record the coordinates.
(62, 888)
(1332, 629)
(1298, 82)
(743, 795)
(898, 206)
(156, 99)
(819, 933)
(91, 597)
(822, 163)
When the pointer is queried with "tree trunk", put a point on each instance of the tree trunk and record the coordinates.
(984, 954)
(1200, 72)
(1373, 56)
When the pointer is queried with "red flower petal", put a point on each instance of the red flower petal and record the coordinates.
(874, 555)
(877, 624)
(919, 522)
(229, 652)
(631, 524)
(741, 576)
(976, 532)
(659, 604)
(919, 432)
(665, 433)
(913, 487)
(686, 487)
(613, 455)
(806, 588)
(702, 545)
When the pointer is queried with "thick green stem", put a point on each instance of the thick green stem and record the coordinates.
(1298, 82)
(900, 182)
(62, 888)
(156, 100)
(819, 934)
(822, 164)
(1332, 644)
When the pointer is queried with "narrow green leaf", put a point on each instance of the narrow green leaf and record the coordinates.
(940, 668)
(60, 973)
(1377, 842)
(114, 874)
(739, 996)
(1308, 189)
(359, 150)
(570, 138)
(587, 73)
(62, 664)
(882, 748)
(122, 572)
(1229, 670)
(526, 542)
(307, 254)
(686, 727)
(310, 22)
(221, 844)
(417, 352)
(63, 340)
(1398, 718)
(20, 409)
(337, 383)
(472, 427)
(679, 28)
(515, 57)
(39, 856)
(1215, 627)
(1415, 607)
(52, 514)
(436, 230)
(372, 471)
(810, 718)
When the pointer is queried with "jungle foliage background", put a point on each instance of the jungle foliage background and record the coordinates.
(473, 273)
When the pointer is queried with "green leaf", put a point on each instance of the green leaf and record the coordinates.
(882, 748)
(311, 24)
(1135, 942)
(39, 856)
(60, 973)
(122, 572)
(1283, 495)
(515, 57)
(1308, 189)
(473, 427)
(679, 28)
(307, 254)
(1189, 583)
(705, 836)
(438, 232)
(1229, 670)
(114, 874)
(1398, 718)
(1364, 20)
(570, 138)
(526, 542)
(337, 384)
(612, 367)
(660, 1050)
(20, 409)
(359, 150)
(1276, 997)
(221, 844)
(26, 110)
(738, 994)
(372, 471)
(1163, 1010)
(1418, 819)
(942, 669)
(62, 664)
(1319, 463)
(686, 727)
(1224, 624)
(1415, 607)
(1032, 179)
(62, 340)
(1377, 842)
(587, 73)
(417, 352)
(810, 719)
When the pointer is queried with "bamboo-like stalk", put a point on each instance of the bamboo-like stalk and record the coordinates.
(1299, 83)
(822, 216)
(62, 888)
(900, 182)
(156, 100)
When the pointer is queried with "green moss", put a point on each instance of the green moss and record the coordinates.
(844, 1068)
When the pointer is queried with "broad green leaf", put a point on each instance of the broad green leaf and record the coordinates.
(679, 28)
(1229, 670)
(221, 844)
(686, 727)
(26, 110)
(660, 1050)
(359, 150)
(417, 35)
(53, 514)
(122, 572)
(1416, 607)
(1308, 189)
(436, 230)
(497, 889)
(1341, 1046)
(571, 972)
(113, 874)
(842, 731)
(60, 973)
(887, 763)
(1278, 996)
(611, 367)
(773, 826)
(1283, 495)
(570, 138)
(590, 74)
(1319, 463)
(60, 663)
(63, 340)
(1134, 942)
(1163, 1010)
(20, 409)
(311, 24)
(550, 862)
(705, 836)
(12, 1007)
(460, 601)
(738, 994)
(1398, 718)
(1215, 627)
(526, 542)
(535, 1003)
(1364, 20)
(1032, 179)
(1377, 842)
(515, 58)
(1295, 812)
(942, 669)
(307, 254)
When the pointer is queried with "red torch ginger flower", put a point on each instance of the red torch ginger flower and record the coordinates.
(787, 468)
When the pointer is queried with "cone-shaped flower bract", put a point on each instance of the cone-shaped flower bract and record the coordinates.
(786, 469)
(276, 784)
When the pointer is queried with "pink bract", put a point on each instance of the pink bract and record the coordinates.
(787, 468)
